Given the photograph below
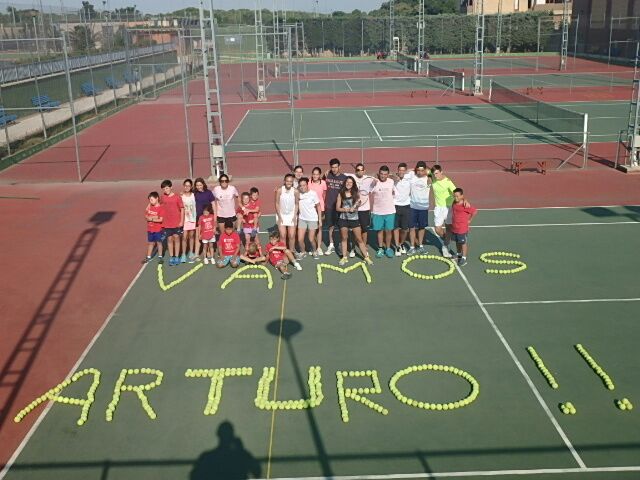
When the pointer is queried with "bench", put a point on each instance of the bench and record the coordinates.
(5, 118)
(112, 83)
(89, 89)
(43, 102)
(541, 166)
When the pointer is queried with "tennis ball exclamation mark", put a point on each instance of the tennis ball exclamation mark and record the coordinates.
(622, 404)
(566, 407)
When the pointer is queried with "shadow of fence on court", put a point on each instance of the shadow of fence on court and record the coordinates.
(19, 362)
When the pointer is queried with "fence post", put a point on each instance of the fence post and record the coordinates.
(71, 107)
(437, 148)
(362, 150)
(6, 124)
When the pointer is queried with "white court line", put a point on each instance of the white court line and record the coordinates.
(553, 302)
(372, 124)
(337, 68)
(557, 208)
(237, 127)
(557, 224)
(350, 89)
(37, 423)
(524, 373)
(497, 120)
(480, 473)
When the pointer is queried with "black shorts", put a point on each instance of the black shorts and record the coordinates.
(364, 217)
(170, 232)
(403, 217)
(348, 223)
(331, 216)
(224, 219)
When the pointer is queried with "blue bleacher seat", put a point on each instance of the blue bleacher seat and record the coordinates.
(89, 89)
(43, 102)
(113, 83)
(6, 118)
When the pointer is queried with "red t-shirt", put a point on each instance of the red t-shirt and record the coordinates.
(460, 217)
(157, 211)
(247, 218)
(207, 227)
(255, 255)
(172, 206)
(275, 255)
(229, 243)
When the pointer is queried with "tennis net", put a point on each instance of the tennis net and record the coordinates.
(569, 125)
(407, 61)
(439, 72)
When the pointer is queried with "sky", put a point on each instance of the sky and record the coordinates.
(158, 6)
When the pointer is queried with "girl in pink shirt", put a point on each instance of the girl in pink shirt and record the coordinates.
(227, 202)
(318, 185)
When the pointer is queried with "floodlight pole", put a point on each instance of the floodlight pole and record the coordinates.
(392, 28)
(564, 49)
(262, 92)
(420, 36)
(478, 60)
(499, 28)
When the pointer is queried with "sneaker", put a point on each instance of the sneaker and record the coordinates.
(462, 261)
(344, 261)
(368, 260)
(160, 260)
(319, 252)
(380, 253)
(316, 255)
(171, 261)
(390, 252)
(403, 249)
(298, 266)
(330, 249)
(411, 251)
(286, 276)
(183, 258)
(206, 261)
(445, 252)
(397, 251)
(352, 254)
(300, 255)
(191, 259)
(146, 260)
(421, 249)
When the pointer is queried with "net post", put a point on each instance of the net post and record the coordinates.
(462, 86)
(490, 88)
(513, 149)
(585, 145)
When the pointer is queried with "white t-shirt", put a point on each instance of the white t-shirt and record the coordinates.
(420, 193)
(403, 189)
(189, 202)
(287, 200)
(225, 200)
(365, 185)
(382, 196)
(307, 206)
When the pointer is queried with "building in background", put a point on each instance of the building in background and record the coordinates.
(608, 28)
(491, 7)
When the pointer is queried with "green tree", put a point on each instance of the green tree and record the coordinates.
(82, 39)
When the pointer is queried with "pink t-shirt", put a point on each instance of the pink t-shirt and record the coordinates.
(382, 198)
(319, 188)
(225, 200)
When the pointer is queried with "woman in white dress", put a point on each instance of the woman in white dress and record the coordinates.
(287, 211)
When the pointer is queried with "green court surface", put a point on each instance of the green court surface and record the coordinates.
(577, 289)
(564, 80)
(445, 125)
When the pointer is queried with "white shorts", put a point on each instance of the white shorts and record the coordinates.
(441, 216)
(287, 220)
(212, 240)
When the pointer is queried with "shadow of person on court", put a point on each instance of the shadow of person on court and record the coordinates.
(228, 461)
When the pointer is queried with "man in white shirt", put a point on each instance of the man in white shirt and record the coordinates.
(419, 196)
(402, 200)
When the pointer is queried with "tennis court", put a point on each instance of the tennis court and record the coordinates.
(474, 321)
(450, 125)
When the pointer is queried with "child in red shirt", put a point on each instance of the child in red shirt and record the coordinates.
(153, 214)
(228, 246)
(280, 256)
(207, 229)
(248, 218)
(253, 254)
(461, 219)
(172, 221)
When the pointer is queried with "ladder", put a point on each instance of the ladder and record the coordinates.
(276, 40)
(565, 35)
(420, 37)
(633, 123)
(262, 92)
(478, 59)
(212, 92)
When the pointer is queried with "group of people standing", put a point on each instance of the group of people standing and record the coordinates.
(394, 205)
